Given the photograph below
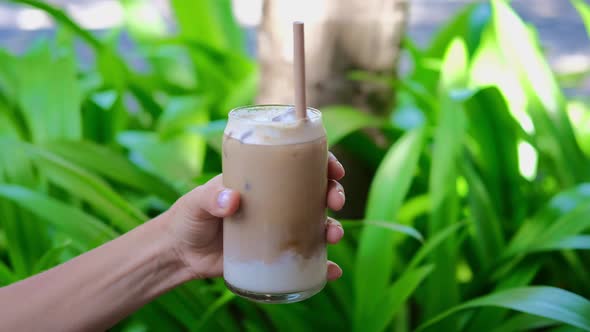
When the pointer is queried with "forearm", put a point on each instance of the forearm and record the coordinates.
(95, 290)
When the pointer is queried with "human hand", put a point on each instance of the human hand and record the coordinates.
(197, 230)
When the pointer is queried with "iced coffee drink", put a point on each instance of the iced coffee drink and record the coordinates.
(274, 246)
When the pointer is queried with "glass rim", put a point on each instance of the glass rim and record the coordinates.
(313, 113)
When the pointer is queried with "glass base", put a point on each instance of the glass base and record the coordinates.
(275, 298)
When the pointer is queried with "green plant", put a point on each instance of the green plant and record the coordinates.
(478, 212)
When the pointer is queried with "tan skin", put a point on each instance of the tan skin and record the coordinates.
(94, 291)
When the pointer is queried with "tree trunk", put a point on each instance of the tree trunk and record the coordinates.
(341, 36)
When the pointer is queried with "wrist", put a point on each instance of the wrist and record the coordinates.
(169, 260)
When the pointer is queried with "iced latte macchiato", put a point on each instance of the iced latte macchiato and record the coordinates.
(274, 246)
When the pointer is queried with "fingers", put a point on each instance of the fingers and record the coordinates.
(336, 197)
(334, 231)
(335, 168)
(334, 271)
(211, 200)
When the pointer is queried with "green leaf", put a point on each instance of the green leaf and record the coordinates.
(60, 16)
(178, 159)
(51, 111)
(442, 288)
(341, 121)
(394, 298)
(143, 21)
(208, 21)
(488, 239)
(496, 156)
(51, 258)
(85, 230)
(388, 190)
(433, 243)
(88, 187)
(6, 275)
(544, 232)
(525, 322)
(180, 113)
(26, 241)
(584, 10)
(449, 132)
(520, 276)
(467, 24)
(577, 242)
(289, 319)
(395, 227)
(547, 302)
(220, 302)
(103, 161)
(510, 57)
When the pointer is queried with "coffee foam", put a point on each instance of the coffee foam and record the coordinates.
(273, 125)
(290, 273)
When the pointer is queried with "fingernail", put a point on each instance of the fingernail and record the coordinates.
(223, 198)
(341, 231)
(341, 192)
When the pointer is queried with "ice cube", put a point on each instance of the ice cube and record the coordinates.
(286, 116)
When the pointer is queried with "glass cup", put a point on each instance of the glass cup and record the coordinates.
(274, 247)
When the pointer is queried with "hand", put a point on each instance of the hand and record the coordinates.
(196, 225)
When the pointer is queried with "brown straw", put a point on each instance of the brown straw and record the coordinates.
(299, 69)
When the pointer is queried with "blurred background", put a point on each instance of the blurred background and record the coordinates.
(464, 127)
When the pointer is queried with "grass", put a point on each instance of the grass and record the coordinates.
(462, 230)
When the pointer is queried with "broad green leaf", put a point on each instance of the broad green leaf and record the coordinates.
(413, 208)
(143, 21)
(442, 289)
(567, 219)
(394, 298)
(576, 242)
(6, 275)
(177, 159)
(8, 88)
(61, 17)
(388, 190)
(467, 24)
(88, 187)
(289, 319)
(454, 68)
(220, 302)
(488, 238)
(583, 9)
(85, 230)
(520, 276)
(208, 21)
(340, 121)
(395, 227)
(344, 254)
(525, 322)
(51, 257)
(547, 302)
(104, 161)
(510, 57)
(26, 241)
(244, 88)
(433, 243)
(180, 113)
(448, 136)
(49, 96)
(496, 156)
(579, 115)
(112, 68)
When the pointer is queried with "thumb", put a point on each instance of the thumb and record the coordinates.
(210, 200)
